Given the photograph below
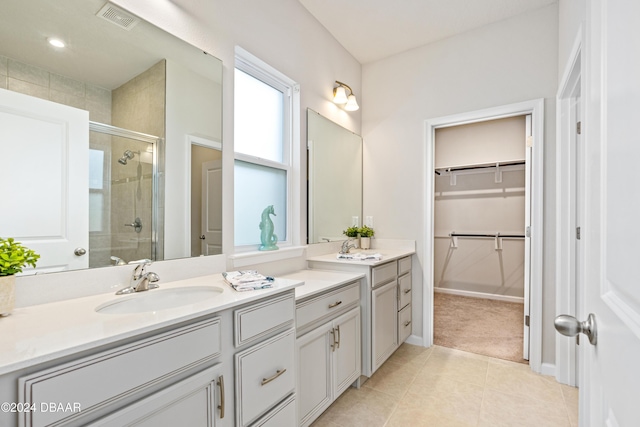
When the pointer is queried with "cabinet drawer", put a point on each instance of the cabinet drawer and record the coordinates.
(254, 322)
(323, 306)
(383, 274)
(404, 290)
(404, 265)
(282, 415)
(265, 374)
(105, 378)
(404, 324)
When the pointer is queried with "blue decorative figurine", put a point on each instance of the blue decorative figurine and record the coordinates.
(267, 238)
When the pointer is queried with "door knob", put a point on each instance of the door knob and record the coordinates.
(202, 237)
(80, 251)
(570, 326)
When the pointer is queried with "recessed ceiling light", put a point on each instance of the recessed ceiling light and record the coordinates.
(55, 42)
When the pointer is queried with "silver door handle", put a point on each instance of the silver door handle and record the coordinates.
(80, 251)
(570, 326)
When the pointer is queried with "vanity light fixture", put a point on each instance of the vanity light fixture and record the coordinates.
(340, 97)
(56, 42)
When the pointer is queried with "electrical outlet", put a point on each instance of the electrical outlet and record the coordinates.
(368, 221)
(355, 221)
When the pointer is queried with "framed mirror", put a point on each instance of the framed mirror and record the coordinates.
(108, 138)
(335, 179)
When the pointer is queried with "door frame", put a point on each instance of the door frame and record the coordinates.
(536, 109)
(191, 139)
(566, 289)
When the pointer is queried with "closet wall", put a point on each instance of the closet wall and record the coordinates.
(476, 201)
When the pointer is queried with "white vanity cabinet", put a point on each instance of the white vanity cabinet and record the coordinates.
(328, 348)
(232, 367)
(97, 384)
(265, 371)
(385, 305)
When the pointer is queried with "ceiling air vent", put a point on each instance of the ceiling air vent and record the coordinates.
(118, 16)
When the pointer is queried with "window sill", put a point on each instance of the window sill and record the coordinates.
(257, 257)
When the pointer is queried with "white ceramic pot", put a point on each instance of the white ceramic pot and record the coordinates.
(365, 242)
(7, 294)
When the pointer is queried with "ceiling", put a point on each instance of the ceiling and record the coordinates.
(374, 29)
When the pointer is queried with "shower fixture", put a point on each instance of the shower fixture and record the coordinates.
(128, 155)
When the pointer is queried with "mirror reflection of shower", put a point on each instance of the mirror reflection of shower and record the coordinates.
(125, 197)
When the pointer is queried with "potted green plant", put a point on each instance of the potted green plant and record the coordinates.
(13, 258)
(351, 232)
(366, 233)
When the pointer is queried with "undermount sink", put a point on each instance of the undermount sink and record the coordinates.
(159, 299)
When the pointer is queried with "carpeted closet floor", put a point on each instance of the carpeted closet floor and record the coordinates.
(482, 326)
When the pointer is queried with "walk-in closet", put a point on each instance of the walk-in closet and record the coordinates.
(480, 237)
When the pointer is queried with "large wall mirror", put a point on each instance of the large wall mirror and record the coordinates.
(111, 146)
(335, 179)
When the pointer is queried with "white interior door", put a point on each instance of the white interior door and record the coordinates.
(610, 373)
(211, 207)
(45, 166)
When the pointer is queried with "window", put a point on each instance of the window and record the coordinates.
(263, 139)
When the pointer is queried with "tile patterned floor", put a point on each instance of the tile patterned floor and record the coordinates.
(444, 387)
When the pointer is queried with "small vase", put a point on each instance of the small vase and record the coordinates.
(7, 294)
(365, 242)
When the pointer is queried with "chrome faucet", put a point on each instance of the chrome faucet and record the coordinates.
(141, 280)
(346, 247)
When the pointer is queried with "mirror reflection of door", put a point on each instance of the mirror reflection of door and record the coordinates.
(206, 196)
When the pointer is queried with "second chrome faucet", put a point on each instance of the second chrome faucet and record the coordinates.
(141, 279)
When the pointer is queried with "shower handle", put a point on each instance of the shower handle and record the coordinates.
(136, 224)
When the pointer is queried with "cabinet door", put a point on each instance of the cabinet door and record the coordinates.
(384, 321)
(347, 360)
(188, 403)
(314, 352)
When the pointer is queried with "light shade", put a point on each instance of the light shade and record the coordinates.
(352, 104)
(340, 95)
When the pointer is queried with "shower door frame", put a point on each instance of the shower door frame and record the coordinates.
(157, 233)
(536, 109)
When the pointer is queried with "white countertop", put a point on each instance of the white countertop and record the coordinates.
(318, 281)
(41, 333)
(387, 255)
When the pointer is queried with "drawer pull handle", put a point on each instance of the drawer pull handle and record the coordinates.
(335, 304)
(221, 405)
(268, 380)
(333, 340)
(407, 323)
(338, 334)
(406, 291)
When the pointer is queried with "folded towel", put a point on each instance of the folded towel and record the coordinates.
(247, 280)
(361, 257)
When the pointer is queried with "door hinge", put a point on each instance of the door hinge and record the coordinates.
(526, 320)
(578, 233)
(577, 339)
(579, 128)
(527, 231)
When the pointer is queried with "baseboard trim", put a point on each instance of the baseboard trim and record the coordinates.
(479, 295)
(548, 369)
(415, 340)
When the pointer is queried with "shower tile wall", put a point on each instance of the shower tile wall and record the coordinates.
(138, 105)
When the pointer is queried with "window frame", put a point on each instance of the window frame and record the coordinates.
(256, 68)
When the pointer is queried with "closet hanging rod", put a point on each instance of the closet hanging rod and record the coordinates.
(486, 166)
(492, 236)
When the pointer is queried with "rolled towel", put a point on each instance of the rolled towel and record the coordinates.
(247, 280)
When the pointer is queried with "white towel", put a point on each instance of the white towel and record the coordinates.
(247, 280)
(361, 257)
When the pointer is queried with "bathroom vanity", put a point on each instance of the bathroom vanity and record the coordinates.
(224, 361)
(385, 302)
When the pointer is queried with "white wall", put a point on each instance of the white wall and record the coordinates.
(511, 61)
